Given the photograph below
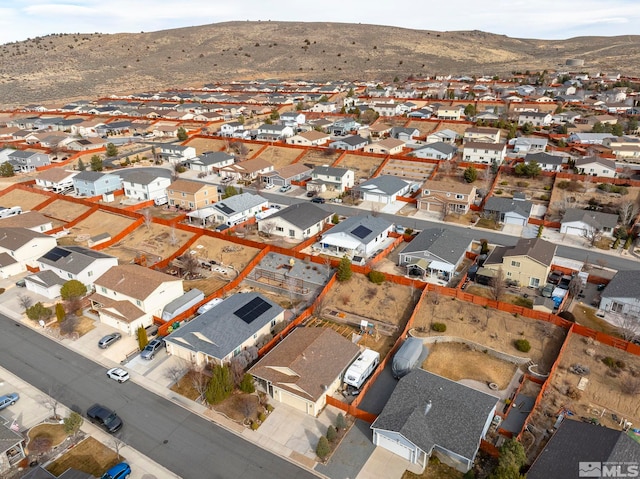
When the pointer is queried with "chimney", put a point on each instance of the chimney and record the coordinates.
(427, 407)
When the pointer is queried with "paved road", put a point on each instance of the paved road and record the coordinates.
(168, 434)
(611, 261)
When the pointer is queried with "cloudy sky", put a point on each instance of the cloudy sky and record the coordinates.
(549, 19)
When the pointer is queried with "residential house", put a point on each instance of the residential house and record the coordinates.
(438, 150)
(388, 146)
(546, 161)
(626, 148)
(23, 248)
(580, 449)
(128, 296)
(210, 162)
(528, 263)
(217, 336)
(329, 178)
(285, 175)
(378, 130)
(12, 449)
(177, 153)
(357, 236)
(238, 208)
(85, 144)
(45, 283)
(25, 161)
(566, 117)
(383, 189)
(144, 186)
(535, 118)
(387, 109)
(292, 118)
(511, 211)
(446, 197)
(349, 143)
(31, 220)
(428, 415)
(525, 145)
(621, 297)
(421, 113)
(444, 136)
(57, 180)
(268, 132)
(595, 166)
(309, 138)
(404, 134)
(229, 129)
(585, 223)
(96, 183)
(482, 135)
(305, 367)
(192, 195)
(77, 262)
(298, 221)
(324, 107)
(434, 253)
(450, 113)
(344, 126)
(487, 153)
(247, 170)
(589, 138)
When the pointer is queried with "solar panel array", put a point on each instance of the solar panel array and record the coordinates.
(252, 310)
(56, 253)
(225, 209)
(361, 232)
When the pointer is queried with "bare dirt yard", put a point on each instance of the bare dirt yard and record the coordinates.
(280, 156)
(153, 241)
(458, 361)
(410, 170)
(99, 222)
(362, 166)
(225, 252)
(64, 210)
(491, 328)
(208, 144)
(27, 200)
(320, 157)
(539, 188)
(425, 126)
(609, 392)
(388, 303)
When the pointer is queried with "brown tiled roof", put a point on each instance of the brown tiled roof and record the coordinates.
(133, 280)
(122, 310)
(390, 143)
(306, 361)
(293, 170)
(250, 166)
(54, 174)
(14, 238)
(484, 146)
(448, 187)
(28, 219)
(313, 135)
(187, 186)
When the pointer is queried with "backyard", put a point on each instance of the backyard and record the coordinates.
(99, 222)
(64, 210)
(27, 200)
(363, 166)
(538, 188)
(90, 456)
(409, 170)
(280, 156)
(319, 157)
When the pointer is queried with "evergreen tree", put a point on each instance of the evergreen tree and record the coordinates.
(81, 165)
(323, 449)
(143, 340)
(182, 134)
(96, 163)
(331, 433)
(112, 150)
(341, 422)
(344, 270)
(72, 289)
(6, 170)
(247, 385)
(60, 313)
(470, 174)
(220, 386)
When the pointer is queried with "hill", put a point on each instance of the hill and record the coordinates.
(67, 66)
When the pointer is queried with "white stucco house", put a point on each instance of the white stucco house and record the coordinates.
(77, 262)
(22, 247)
(357, 236)
(143, 186)
(595, 166)
(383, 189)
(298, 221)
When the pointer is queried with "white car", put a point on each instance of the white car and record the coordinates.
(268, 186)
(118, 374)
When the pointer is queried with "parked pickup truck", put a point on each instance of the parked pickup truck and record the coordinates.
(104, 418)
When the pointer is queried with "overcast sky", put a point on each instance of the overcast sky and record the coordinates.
(549, 19)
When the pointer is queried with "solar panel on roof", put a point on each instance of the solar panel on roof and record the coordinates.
(224, 208)
(361, 232)
(253, 309)
(56, 253)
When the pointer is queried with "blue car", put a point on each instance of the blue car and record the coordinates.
(119, 471)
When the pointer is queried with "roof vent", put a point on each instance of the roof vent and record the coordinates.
(427, 407)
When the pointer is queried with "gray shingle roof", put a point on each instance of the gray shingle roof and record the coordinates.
(543, 158)
(444, 148)
(440, 242)
(46, 278)
(212, 158)
(15, 238)
(223, 330)
(576, 442)
(454, 421)
(353, 140)
(330, 171)
(72, 259)
(623, 285)
(375, 224)
(535, 248)
(387, 184)
(597, 219)
(508, 205)
(238, 203)
(302, 215)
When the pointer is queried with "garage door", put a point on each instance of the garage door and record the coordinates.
(514, 220)
(572, 230)
(395, 447)
(295, 401)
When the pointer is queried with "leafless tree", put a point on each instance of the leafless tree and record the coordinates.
(497, 285)
(25, 301)
(247, 406)
(173, 237)
(199, 381)
(630, 385)
(592, 235)
(268, 227)
(175, 372)
(434, 301)
(628, 326)
(627, 212)
(445, 167)
(238, 366)
(69, 325)
(190, 264)
(118, 443)
(50, 400)
(148, 219)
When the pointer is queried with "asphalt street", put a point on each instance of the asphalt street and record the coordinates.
(181, 441)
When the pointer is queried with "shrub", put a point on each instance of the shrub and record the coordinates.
(470, 174)
(522, 184)
(335, 219)
(563, 185)
(439, 327)
(614, 363)
(254, 425)
(2, 290)
(544, 197)
(262, 416)
(376, 277)
(246, 385)
(547, 188)
(269, 408)
(344, 270)
(524, 302)
(332, 434)
(498, 192)
(323, 449)
(143, 339)
(341, 422)
(568, 315)
(504, 183)
(523, 345)
(38, 312)
(72, 289)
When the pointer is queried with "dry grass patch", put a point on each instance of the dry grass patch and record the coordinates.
(280, 156)
(425, 127)
(90, 456)
(184, 386)
(458, 361)
(64, 210)
(101, 222)
(208, 144)
(154, 241)
(51, 432)
(411, 170)
(363, 166)
(25, 199)
(319, 157)
(225, 252)
(586, 316)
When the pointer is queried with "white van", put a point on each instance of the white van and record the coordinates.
(6, 212)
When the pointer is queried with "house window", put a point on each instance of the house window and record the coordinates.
(190, 204)
(89, 274)
(617, 307)
(236, 351)
(280, 229)
(515, 264)
(138, 302)
(459, 197)
(183, 194)
(103, 289)
(255, 336)
(273, 323)
(425, 192)
(534, 282)
(292, 233)
(69, 275)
